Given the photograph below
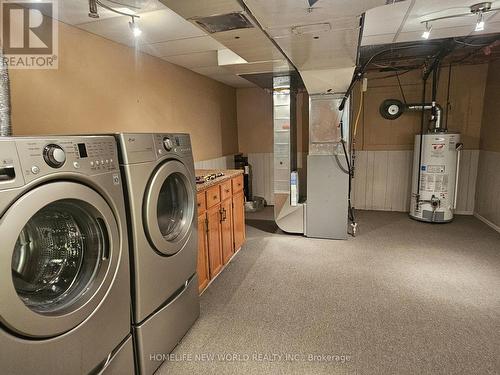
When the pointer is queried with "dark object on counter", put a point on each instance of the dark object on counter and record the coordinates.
(241, 162)
(208, 177)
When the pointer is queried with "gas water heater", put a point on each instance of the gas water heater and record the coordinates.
(436, 162)
(435, 177)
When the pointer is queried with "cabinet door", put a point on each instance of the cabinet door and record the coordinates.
(202, 268)
(227, 230)
(239, 220)
(214, 240)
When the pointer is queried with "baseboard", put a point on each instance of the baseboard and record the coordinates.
(487, 222)
(464, 212)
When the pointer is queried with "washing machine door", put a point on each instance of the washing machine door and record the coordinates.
(60, 253)
(169, 207)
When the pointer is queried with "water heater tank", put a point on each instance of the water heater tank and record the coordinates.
(438, 177)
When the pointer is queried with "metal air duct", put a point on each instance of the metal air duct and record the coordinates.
(5, 124)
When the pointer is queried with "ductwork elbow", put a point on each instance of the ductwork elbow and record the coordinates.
(5, 120)
(437, 118)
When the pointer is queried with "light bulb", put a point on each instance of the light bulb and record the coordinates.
(479, 23)
(135, 28)
(427, 33)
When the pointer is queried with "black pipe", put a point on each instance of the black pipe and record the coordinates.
(359, 71)
(350, 210)
(445, 126)
(434, 83)
(417, 198)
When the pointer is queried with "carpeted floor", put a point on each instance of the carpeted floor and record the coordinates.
(402, 297)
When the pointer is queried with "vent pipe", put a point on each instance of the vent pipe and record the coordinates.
(5, 125)
(391, 109)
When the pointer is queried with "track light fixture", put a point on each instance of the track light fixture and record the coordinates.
(93, 13)
(478, 10)
(135, 28)
(427, 33)
(480, 22)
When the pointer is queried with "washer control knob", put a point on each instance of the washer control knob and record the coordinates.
(168, 144)
(54, 156)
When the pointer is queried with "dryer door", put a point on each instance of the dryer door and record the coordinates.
(169, 207)
(59, 256)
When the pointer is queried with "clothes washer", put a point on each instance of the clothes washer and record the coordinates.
(64, 262)
(159, 176)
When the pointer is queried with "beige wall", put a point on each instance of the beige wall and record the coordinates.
(102, 86)
(490, 131)
(465, 112)
(488, 178)
(255, 121)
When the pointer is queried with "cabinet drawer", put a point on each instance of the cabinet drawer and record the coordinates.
(202, 204)
(237, 184)
(226, 190)
(213, 196)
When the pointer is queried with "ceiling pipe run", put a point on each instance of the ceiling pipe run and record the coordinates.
(5, 124)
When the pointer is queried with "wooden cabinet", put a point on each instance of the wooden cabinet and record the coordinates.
(239, 220)
(202, 203)
(214, 240)
(221, 227)
(202, 268)
(227, 230)
(213, 196)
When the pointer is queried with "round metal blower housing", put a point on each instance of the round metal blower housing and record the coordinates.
(391, 109)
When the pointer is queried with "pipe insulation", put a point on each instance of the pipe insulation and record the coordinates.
(5, 124)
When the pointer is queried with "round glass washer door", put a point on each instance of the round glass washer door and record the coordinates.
(61, 247)
(169, 207)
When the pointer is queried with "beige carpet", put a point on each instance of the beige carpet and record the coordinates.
(401, 298)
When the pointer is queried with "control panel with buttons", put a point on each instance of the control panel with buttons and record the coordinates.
(86, 154)
(147, 147)
(172, 143)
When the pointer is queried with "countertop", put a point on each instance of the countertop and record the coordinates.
(228, 174)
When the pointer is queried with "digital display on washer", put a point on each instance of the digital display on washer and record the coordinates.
(82, 150)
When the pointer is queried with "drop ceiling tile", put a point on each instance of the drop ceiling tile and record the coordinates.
(251, 44)
(383, 23)
(276, 14)
(182, 46)
(202, 8)
(194, 60)
(333, 50)
(383, 20)
(276, 66)
(232, 80)
(75, 12)
(157, 26)
(222, 75)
